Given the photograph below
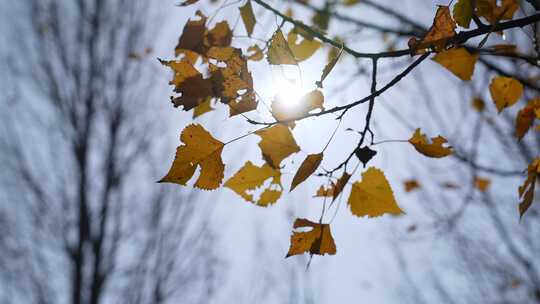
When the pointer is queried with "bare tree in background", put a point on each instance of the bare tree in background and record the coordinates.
(80, 219)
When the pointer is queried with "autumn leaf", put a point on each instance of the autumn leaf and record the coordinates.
(318, 240)
(277, 143)
(329, 67)
(282, 110)
(325, 191)
(410, 185)
(220, 35)
(478, 104)
(203, 108)
(182, 69)
(248, 17)
(526, 116)
(251, 177)
(308, 166)
(365, 154)
(321, 19)
(434, 149)
(246, 103)
(463, 12)
(192, 35)
(526, 191)
(199, 149)
(441, 30)
(373, 196)
(481, 183)
(493, 13)
(304, 49)
(505, 91)
(256, 53)
(458, 61)
(194, 91)
(279, 51)
(340, 185)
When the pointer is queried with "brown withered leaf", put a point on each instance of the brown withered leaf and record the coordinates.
(187, 2)
(411, 184)
(526, 116)
(247, 102)
(481, 183)
(494, 13)
(434, 149)
(194, 91)
(192, 35)
(526, 191)
(220, 35)
(441, 30)
(340, 185)
(248, 17)
(318, 240)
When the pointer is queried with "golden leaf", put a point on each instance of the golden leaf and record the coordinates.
(411, 185)
(251, 177)
(318, 240)
(373, 196)
(203, 108)
(441, 30)
(246, 12)
(257, 54)
(526, 116)
(247, 102)
(505, 91)
(463, 12)
(434, 149)
(308, 166)
(199, 149)
(325, 192)
(220, 35)
(526, 191)
(481, 184)
(182, 69)
(303, 50)
(276, 144)
(279, 51)
(458, 61)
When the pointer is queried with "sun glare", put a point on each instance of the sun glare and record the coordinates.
(289, 91)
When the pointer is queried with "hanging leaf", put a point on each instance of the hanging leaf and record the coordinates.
(493, 13)
(220, 35)
(411, 185)
(277, 143)
(458, 61)
(526, 191)
(199, 149)
(318, 240)
(441, 30)
(434, 149)
(248, 17)
(308, 166)
(247, 102)
(283, 110)
(328, 68)
(340, 185)
(325, 192)
(279, 51)
(365, 154)
(256, 53)
(373, 196)
(505, 91)
(192, 35)
(526, 116)
(304, 49)
(250, 178)
(463, 12)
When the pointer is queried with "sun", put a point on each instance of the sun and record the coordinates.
(289, 91)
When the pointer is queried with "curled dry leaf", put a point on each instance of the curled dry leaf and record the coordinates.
(251, 177)
(441, 30)
(277, 143)
(373, 196)
(199, 149)
(458, 61)
(505, 91)
(308, 166)
(526, 116)
(526, 191)
(318, 240)
(434, 149)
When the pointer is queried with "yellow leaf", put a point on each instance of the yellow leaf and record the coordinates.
(526, 116)
(220, 35)
(279, 51)
(463, 12)
(182, 69)
(199, 149)
(434, 149)
(526, 191)
(276, 144)
(481, 184)
(203, 108)
(458, 61)
(443, 27)
(246, 12)
(222, 53)
(373, 196)
(318, 240)
(505, 91)
(247, 102)
(251, 177)
(257, 53)
(411, 185)
(303, 50)
(308, 166)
